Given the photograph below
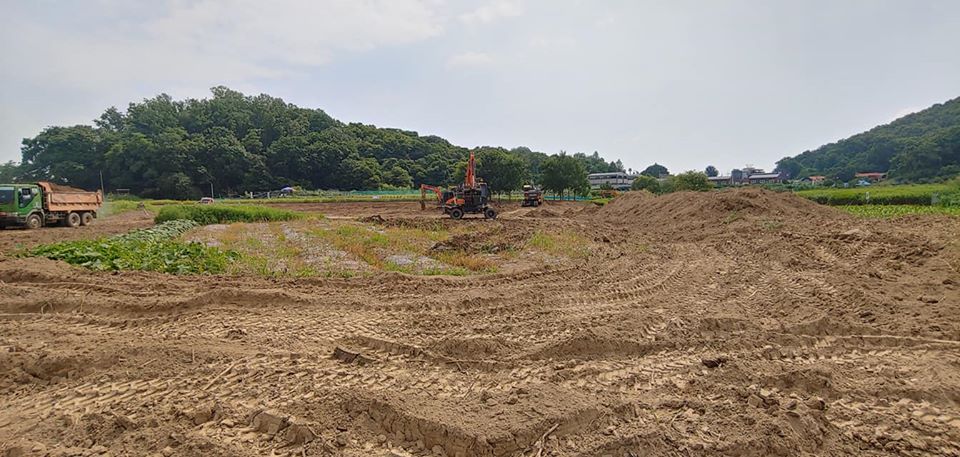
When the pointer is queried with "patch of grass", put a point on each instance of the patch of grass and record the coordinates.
(732, 217)
(771, 224)
(153, 249)
(888, 211)
(373, 245)
(113, 207)
(368, 245)
(563, 243)
(474, 263)
(222, 214)
(429, 271)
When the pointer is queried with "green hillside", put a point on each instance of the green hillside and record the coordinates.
(919, 147)
(166, 148)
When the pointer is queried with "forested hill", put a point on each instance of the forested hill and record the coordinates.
(922, 146)
(167, 148)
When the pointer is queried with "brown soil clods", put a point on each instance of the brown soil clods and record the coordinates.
(741, 322)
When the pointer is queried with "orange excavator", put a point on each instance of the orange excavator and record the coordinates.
(471, 197)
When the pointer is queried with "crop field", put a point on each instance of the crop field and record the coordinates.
(913, 194)
(887, 211)
(739, 322)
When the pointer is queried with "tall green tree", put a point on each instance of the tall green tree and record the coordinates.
(656, 170)
(502, 171)
(562, 173)
(711, 171)
(689, 180)
(162, 147)
(789, 166)
(644, 182)
(65, 155)
(9, 172)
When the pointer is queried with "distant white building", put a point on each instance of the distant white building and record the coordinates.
(618, 180)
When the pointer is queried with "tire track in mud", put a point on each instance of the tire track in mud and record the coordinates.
(639, 336)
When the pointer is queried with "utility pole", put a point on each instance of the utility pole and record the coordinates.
(103, 192)
(211, 189)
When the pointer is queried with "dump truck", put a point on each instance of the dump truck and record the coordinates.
(36, 205)
(532, 196)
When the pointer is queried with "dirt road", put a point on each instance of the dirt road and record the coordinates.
(729, 323)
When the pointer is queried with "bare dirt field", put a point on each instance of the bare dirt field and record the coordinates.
(742, 323)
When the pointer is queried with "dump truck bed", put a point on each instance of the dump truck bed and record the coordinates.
(56, 198)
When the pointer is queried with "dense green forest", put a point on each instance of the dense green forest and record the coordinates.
(919, 147)
(167, 148)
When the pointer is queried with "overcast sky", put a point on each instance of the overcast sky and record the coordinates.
(683, 83)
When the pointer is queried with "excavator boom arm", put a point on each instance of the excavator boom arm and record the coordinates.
(423, 195)
(470, 180)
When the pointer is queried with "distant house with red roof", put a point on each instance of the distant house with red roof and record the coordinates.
(871, 176)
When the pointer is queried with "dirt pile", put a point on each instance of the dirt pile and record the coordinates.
(747, 323)
(684, 211)
(65, 188)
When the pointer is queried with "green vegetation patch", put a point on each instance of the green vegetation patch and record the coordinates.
(403, 249)
(916, 194)
(223, 214)
(888, 211)
(562, 243)
(152, 249)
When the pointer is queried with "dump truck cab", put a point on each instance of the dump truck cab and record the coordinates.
(21, 205)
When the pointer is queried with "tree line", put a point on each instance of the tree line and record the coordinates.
(919, 147)
(166, 148)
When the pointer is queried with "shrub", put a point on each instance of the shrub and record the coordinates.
(644, 182)
(222, 214)
(690, 180)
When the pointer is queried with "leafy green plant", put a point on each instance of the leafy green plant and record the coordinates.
(152, 249)
(222, 214)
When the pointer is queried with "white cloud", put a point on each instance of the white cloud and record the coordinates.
(297, 32)
(606, 20)
(492, 11)
(541, 41)
(470, 59)
(212, 41)
(109, 52)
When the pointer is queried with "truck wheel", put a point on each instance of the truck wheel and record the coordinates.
(34, 221)
(86, 218)
(73, 220)
(456, 213)
(489, 213)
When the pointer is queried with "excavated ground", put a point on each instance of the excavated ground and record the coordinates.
(728, 323)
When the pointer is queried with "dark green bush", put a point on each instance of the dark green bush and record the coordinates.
(223, 214)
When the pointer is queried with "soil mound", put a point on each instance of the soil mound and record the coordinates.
(542, 212)
(65, 188)
(682, 211)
